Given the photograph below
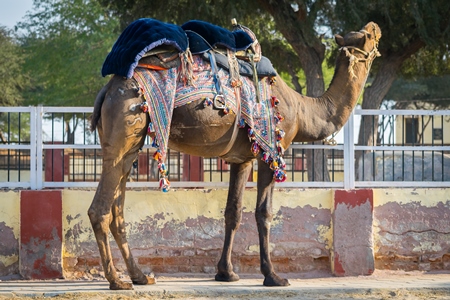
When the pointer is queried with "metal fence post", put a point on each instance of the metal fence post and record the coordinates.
(33, 155)
(39, 146)
(349, 153)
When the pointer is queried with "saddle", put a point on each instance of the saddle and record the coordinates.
(157, 45)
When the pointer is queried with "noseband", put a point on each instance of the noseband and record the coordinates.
(368, 56)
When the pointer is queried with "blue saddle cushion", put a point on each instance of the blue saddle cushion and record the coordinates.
(203, 36)
(138, 38)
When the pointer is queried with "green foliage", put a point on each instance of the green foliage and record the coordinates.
(179, 11)
(424, 81)
(66, 43)
(431, 92)
(415, 33)
(428, 61)
(327, 67)
(401, 21)
(12, 79)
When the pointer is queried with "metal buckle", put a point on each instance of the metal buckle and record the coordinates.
(219, 101)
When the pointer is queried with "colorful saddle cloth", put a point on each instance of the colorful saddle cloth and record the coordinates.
(163, 92)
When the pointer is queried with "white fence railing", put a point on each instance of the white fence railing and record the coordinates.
(382, 155)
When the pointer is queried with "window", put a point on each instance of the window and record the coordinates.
(437, 134)
(411, 130)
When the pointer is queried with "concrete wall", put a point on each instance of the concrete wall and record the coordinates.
(9, 232)
(412, 229)
(344, 232)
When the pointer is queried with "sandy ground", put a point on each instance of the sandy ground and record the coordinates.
(380, 285)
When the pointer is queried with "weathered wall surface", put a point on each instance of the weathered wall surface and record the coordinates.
(182, 231)
(412, 229)
(9, 233)
(40, 248)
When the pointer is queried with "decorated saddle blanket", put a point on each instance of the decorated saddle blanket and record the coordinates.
(146, 34)
(163, 92)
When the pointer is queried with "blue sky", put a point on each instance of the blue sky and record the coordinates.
(12, 11)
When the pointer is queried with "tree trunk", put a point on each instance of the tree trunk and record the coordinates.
(295, 80)
(373, 97)
(298, 29)
(70, 133)
(2, 138)
(316, 160)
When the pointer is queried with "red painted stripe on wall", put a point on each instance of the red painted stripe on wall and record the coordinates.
(353, 252)
(41, 234)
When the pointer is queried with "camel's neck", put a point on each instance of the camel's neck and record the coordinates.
(322, 116)
(346, 86)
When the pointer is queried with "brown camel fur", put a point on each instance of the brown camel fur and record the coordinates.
(122, 132)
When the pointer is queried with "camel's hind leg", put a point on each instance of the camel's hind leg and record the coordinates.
(233, 215)
(122, 130)
(118, 230)
(102, 217)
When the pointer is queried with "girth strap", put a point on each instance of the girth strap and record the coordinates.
(236, 83)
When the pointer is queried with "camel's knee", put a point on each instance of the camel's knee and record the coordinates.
(263, 216)
(98, 221)
(117, 227)
(233, 217)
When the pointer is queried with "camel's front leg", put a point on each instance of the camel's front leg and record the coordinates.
(264, 216)
(233, 214)
(118, 230)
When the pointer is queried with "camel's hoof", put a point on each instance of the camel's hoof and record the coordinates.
(146, 280)
(227, 277)
(120, 285)
(275, 280)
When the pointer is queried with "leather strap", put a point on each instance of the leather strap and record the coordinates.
(237, 92)
(236, 83)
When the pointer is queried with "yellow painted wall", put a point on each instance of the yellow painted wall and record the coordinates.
(10, 216)
(180, 205)
(428, 197)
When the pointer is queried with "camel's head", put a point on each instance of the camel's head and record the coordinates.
(364, 41)
(361, 46)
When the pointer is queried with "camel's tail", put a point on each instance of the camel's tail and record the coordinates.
(98, 107)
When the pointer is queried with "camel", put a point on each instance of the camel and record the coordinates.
(122, 132)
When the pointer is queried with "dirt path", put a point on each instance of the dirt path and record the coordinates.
(381, 285)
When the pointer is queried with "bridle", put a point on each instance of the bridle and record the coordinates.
(368, 56)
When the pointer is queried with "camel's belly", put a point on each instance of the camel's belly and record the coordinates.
(199, 130)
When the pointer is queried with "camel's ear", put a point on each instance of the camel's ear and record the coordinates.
(339, 40)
